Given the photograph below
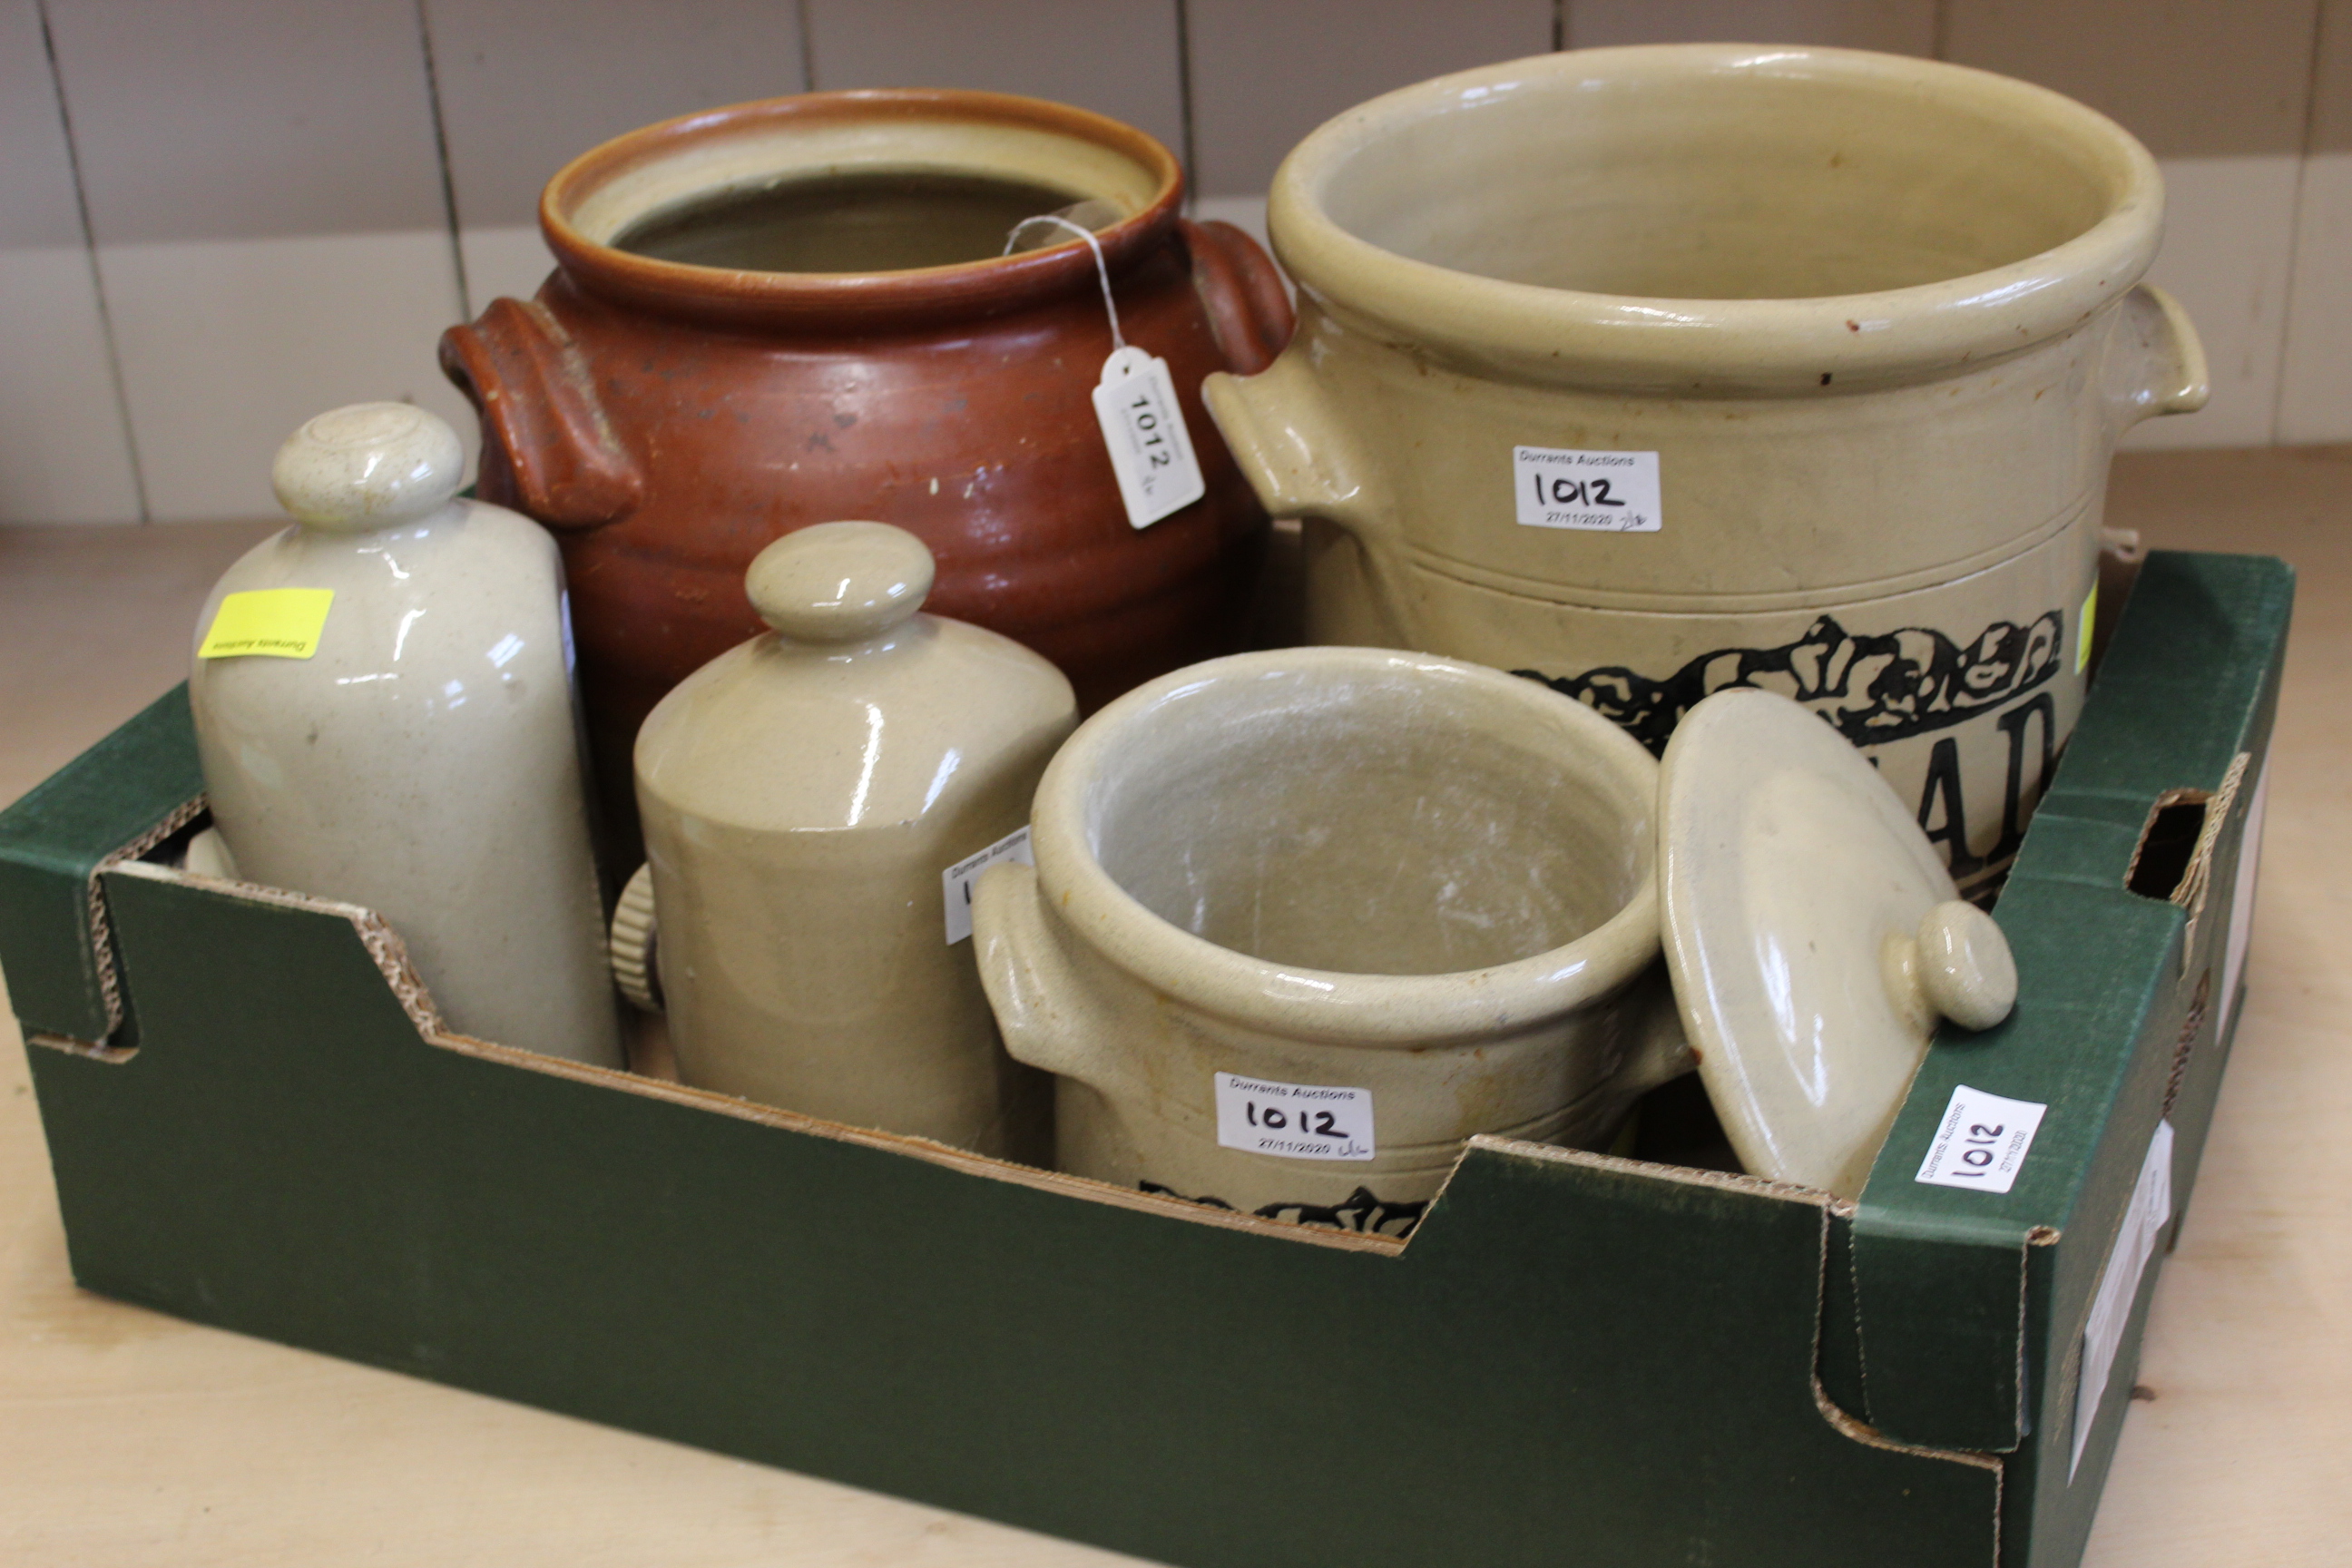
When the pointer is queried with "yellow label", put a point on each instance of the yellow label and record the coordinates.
(2083, 631)
(281, 623)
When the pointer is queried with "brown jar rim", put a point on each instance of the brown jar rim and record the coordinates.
(915, 297)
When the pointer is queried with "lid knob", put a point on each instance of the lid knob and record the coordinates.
(369, 465)
(1965, 966)
(840, 582)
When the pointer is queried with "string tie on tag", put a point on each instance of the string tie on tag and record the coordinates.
(1102, 268)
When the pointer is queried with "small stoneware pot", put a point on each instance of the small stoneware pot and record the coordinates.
(1653, 370)
(423, 756)
(1301, 922)
(777, 313)
(802, 796)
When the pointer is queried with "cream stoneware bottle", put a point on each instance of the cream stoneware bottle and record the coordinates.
(815, 800)
(384, 713)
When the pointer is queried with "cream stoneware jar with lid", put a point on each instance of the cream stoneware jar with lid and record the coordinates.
(423, 759)
(802, 796)
(1655, 371)
(1301, 922)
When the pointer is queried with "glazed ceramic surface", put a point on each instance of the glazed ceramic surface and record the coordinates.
(802, 795)
(670, 417)
(425, 761)
(1853, 336)
(1816, 941)
(1332, 870)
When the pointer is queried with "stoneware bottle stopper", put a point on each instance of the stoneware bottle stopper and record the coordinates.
(816, 803)
(369, 465)
(1815, 938)
(384, 709)
(840, 582)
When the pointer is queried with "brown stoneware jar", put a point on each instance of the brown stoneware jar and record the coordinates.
(777, 313)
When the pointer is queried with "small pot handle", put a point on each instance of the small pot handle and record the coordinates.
(547, 447)
(1292, 448)
(1043, 1008)
(1659, 1051)
(1249, 309)
(2158, 362)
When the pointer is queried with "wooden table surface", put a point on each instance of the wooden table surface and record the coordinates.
(129, 1437)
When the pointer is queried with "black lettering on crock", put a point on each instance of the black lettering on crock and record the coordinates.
(2015, 803)
(1944, 785)
(1870, 689)
(1359, 1211)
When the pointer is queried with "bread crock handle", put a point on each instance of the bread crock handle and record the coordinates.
(1044, 1010)
(2162, 369)
(547, 447)
(1291, 447)
(1249, 309)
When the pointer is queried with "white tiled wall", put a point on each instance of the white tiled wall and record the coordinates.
(65, 454)
(1120, 57)
(219, 215)
(2316, 382)
(2229, 250)
(263, 186)
(227, 344)
(1266, 72)
(524, 86)
(1895, 26)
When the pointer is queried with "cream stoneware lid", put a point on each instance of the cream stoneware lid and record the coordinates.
(1815, 940)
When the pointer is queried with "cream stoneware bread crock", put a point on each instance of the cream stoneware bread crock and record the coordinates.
(803, 796)
(1303, 921)
(1649, 372)
(423, 758)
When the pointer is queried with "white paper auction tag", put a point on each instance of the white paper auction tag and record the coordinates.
(1142, 424)
(1296, 1120)
(1604, 492)
(1981, 1141)
(956, 881)
(2102, 1332)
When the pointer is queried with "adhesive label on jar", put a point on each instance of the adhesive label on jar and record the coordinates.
(1599, 492)
(1981, 1141)
(277, 623)
(1150, 449)
(956, 881)
(2083, 625)
(1295, 1120)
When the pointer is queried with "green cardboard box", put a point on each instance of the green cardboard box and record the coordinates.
(1575, 1359)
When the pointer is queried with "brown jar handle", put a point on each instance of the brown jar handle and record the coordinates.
(548, 450)
(1249, 309)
